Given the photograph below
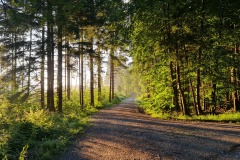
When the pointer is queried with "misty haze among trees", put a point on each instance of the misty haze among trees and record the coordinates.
(71, 57)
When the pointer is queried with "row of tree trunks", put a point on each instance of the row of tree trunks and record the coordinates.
(50, 70)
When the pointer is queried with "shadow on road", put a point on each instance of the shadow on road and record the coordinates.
(122, 133)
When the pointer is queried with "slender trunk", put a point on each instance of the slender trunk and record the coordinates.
(183, 100)
(14, 50)
(50, 69)
(85, 77)
(81, 86)
(79, 75)
(42, 67)
(29, 64)
(65, 66)
(199, 60)
(214, 89)
(15, 62)
(59, 81)
(204, 100)
(111, 68)
(233, 81)
(110, 80)
(91, 76)
(199, 107)
(238, 77)
(194, 99)
(23, 64)
(174, 87)
(179, 83)
(113, 79)
(68, 71)
(99, 74)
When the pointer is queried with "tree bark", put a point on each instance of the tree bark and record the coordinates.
(91, 75)
(29, 64)
(183, 100)
(199, 107)
(68, 71)
(199, 60)
(59, 81)
(111, 76)
(214, 101)
(174, 87)
(50, 60)
(81, 85)
(42, 68)
(99, 69)
(194, 99)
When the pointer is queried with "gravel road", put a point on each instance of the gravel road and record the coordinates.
(121, 133)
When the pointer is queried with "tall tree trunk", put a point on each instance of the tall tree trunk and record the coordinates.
(42, 67)
(194, 99)
(68, 70)
(199, 107)
(59, 81)
(81, 72)
(79, 75)
(14, 62)
(29, 64)
(238, 77)
(214, 101)
(50, 69)
(91, 75)
(199, 59)
(179, 83)
(174, 87)
(23, 64)
(99, 69)
(204, 100)
(233, 81)
(182, 96)
(111, 76)
(65, 66)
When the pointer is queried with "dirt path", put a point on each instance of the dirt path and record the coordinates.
(120, 133)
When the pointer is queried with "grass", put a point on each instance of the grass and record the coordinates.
(36, 134)
(225, 117)
(39, 134)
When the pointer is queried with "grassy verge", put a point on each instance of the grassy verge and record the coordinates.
(37, 134)
(226, 117)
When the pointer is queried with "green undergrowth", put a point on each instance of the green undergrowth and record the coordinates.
(225, 117)
(168, 113)
(36, 134)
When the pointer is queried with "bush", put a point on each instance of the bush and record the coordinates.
(27, 132)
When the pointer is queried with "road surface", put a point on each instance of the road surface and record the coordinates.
(121, 133)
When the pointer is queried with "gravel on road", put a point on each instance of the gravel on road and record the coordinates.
(121, 133)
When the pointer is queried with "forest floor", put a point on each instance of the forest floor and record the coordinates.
(121, 133)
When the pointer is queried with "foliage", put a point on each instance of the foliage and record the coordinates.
(40, 134)
(185, 55)
(224, 117)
